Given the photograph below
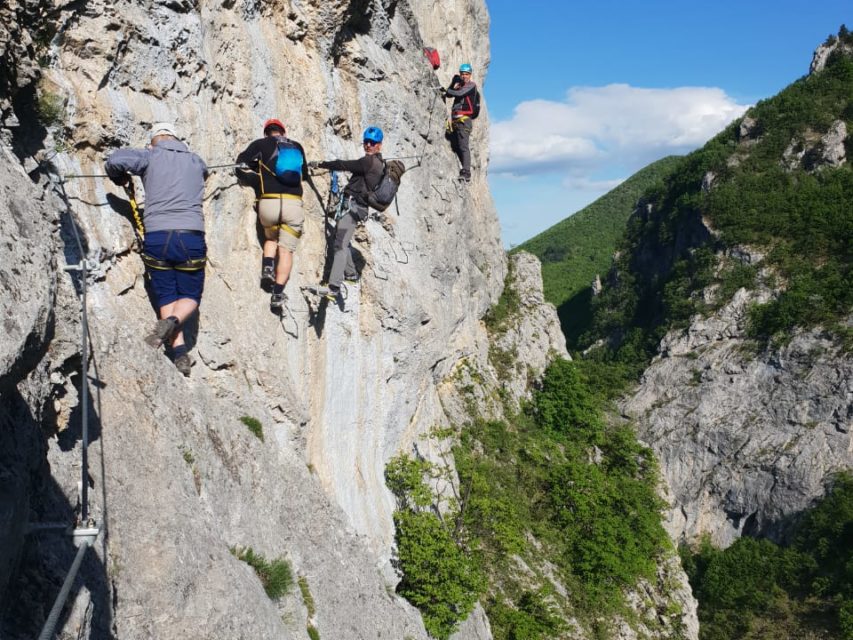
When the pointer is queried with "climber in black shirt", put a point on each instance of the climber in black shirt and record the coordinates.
(279, 201)
(366, 174)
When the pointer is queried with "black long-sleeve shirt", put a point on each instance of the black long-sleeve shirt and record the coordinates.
(263, 149)
(366, 174)
(463, 97)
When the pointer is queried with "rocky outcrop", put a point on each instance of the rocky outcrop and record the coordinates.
(28, 227)
(664, 608)
(813, 151)
(176, 479)
(532, 333)
(19, 20)
(823, 53)
(746, 441)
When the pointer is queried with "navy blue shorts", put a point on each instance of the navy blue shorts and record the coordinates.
(175, 247)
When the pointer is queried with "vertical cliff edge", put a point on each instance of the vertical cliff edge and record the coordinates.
(176, 479)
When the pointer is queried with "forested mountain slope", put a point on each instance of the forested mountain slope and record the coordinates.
(576, 250)
(730, 299)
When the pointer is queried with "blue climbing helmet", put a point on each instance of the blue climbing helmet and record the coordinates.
(465, 68)
(373, 134)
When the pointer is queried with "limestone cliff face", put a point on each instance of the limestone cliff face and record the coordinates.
(746, 441)
(176, 479)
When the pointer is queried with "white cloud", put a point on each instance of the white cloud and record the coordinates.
(600, 126)
(586, 184)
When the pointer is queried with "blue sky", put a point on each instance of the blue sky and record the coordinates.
(582, 95)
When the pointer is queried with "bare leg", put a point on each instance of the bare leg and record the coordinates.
(181, 309)
(285, 264)
(270, 247)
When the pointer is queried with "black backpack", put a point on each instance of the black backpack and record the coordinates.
(383, 194)
(475, 104)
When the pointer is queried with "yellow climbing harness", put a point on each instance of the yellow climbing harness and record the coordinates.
(296, 233)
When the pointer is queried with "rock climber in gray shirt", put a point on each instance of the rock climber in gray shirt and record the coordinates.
(174, 249)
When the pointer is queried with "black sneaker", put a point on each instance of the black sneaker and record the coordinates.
(162, 332)
(184, 364)
(267, 276)
(277, 301)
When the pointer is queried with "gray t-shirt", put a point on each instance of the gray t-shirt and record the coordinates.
(173, 178)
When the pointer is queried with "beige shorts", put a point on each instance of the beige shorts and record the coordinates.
(273, 212)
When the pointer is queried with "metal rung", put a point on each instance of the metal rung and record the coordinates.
(88, 265)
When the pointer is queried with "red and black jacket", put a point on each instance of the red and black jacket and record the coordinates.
(463, 97)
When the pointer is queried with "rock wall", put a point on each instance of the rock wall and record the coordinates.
(746, 441)
(176, 479)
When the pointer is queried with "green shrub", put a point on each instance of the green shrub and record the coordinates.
(438, 577)
(532, 618)
(276, 576)
(254, 425)
(50, 108)
(564, 404)
(551, 487)
(404, 477)
(597, 522)
(756, 584)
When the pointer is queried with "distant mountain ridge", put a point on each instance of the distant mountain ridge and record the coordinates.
(576, 249)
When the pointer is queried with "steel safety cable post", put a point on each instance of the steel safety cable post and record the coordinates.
(82, 267)
(49, 629)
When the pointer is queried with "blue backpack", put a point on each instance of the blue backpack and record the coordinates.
(287, 162)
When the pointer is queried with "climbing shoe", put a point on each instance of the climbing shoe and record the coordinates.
(277, 301)
(162, 332)
(267, 276)
(334, 295)
(184, 363)
(352, 279)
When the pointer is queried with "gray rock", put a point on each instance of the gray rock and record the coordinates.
(833, 152)
(533, 334)
(747, 128)
(176, 476)
(822, 53)
(744, 442)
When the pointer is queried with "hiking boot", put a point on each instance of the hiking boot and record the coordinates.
(183, 364)
(277, 301)
(267, 276)
(334, 295)
(162, 332)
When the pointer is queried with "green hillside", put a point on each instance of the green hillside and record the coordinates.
(774, 183)
(770, 189)
(575, 250)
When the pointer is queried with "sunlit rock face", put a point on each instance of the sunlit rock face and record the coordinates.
(177, 481)
(746, 441)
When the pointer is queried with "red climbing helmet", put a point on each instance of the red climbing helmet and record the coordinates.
(274, 123)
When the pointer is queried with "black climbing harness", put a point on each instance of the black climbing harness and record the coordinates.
(159, 264)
